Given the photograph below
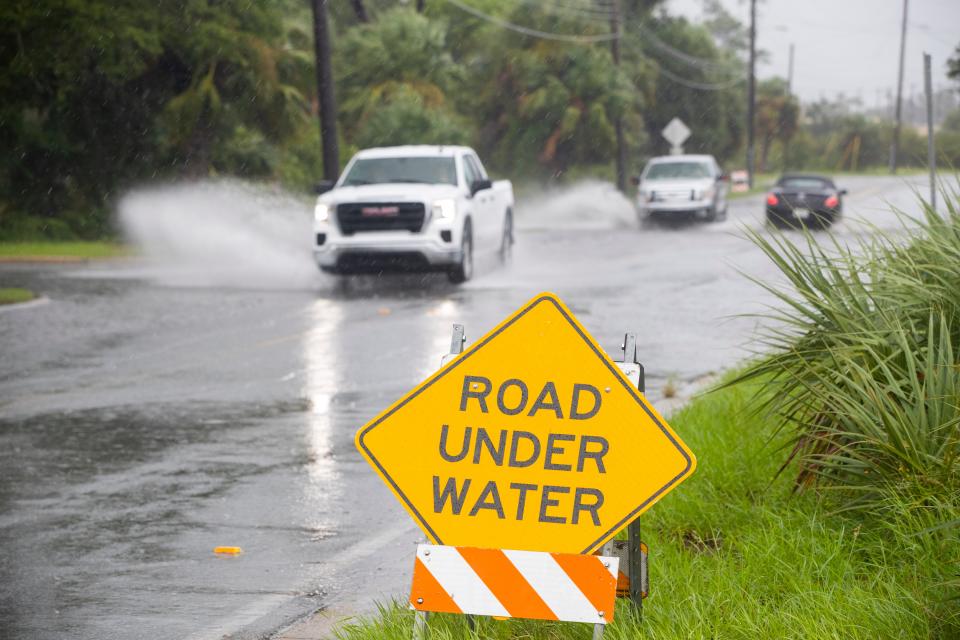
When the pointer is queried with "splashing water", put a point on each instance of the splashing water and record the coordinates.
(222, 233)
(585, 205)
(229, 233)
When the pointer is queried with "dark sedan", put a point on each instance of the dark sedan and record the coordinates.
(808, 200)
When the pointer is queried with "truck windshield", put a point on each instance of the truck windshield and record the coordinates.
(424, 170)
(673, 170)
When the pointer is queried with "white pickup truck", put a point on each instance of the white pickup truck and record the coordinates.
(413, 208)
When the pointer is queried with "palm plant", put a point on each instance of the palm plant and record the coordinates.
(863, 354)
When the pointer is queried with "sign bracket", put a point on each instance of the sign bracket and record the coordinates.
(636, 560)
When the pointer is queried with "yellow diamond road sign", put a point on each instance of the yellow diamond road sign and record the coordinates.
(531, 439)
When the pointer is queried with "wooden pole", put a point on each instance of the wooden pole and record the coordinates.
(931, 151)
(751, 91)
(325, 94)
(618, 124)
(895, 143)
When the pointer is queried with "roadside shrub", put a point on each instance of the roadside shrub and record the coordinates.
(864, 358)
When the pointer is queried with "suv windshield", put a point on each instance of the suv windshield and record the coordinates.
(424, 170)
(673, 170)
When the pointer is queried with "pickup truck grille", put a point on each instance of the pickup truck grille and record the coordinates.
(357, 217)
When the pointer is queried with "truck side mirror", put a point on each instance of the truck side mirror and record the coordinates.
(323, 186)
(635, 181)
(480, 185)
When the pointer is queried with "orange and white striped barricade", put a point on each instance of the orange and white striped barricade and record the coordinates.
(514, 584)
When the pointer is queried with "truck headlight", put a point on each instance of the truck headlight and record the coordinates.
(321, 213)
(445, 209)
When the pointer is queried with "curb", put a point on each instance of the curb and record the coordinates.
(60, 259)
(36, 302)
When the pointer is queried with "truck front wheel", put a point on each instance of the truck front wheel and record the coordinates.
(506, 241)
(464, 270)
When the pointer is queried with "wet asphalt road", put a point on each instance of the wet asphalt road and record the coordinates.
(143, 423)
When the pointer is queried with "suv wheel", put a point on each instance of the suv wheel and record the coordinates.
(464, 271)
(506, 241)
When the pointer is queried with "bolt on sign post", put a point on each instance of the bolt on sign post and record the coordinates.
(532, 442)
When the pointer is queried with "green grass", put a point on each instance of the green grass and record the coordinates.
(62, 250)
(735, 553)
(13, 295)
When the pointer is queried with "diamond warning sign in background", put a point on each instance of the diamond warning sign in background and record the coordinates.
(532, 439)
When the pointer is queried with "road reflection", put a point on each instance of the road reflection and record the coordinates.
(322, 366)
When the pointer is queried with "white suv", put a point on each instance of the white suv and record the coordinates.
(682, 186)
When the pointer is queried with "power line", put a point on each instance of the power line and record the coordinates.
(701, 63)
(535, 33)
(700, 86)
(683, 56)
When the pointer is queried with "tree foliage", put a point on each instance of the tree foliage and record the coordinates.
(99, 94)
(953, 65)
(394, 78)
(705, 90)
(777, 117)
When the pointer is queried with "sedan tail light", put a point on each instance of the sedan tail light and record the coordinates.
(831, 202)
(772, 199)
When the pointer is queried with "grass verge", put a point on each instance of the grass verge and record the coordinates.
(53, 251)
(736, 553)
(13, 295)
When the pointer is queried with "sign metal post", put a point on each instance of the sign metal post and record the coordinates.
(636, 557)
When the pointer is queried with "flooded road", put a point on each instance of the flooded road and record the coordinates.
(144, 422)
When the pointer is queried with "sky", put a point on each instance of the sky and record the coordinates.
(848, 46)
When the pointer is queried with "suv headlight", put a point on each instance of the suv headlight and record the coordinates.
(445, 209)
(321, 212)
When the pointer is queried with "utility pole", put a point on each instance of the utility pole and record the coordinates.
(786, 142)
(618, 125)
(751, 90)
(931, 153)
(325, 96)
(790, 72)
(895, 144)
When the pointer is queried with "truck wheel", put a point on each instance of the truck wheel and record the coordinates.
(506, 241)
(711, 214)
(463, 271)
